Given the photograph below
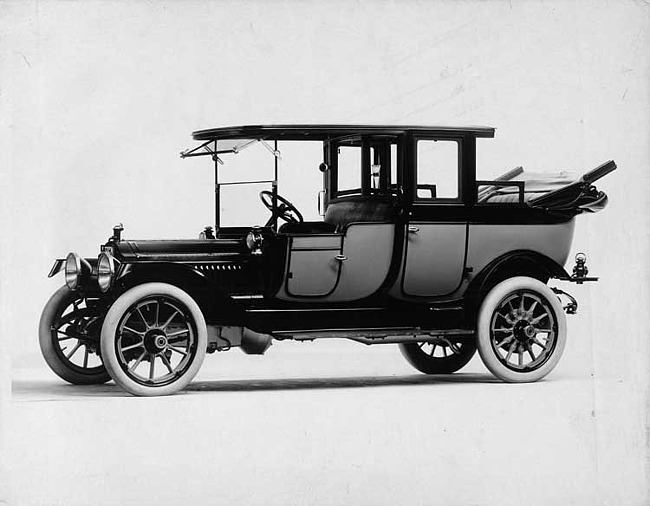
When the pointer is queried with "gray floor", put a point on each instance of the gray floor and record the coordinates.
(320, 423)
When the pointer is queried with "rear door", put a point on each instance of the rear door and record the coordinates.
(436, 231)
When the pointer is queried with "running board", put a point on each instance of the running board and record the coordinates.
(378, 336)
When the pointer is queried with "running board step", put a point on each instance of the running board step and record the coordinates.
(378, 336)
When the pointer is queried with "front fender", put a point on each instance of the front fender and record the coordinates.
(215, 303)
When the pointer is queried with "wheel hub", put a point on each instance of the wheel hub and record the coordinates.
(523, 331)
(155, 341)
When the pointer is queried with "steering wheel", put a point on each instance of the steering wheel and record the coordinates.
(285, 210)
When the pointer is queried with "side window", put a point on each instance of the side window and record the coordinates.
(437, 169)
(349, 169)
(375, 169)
(367, 165)
(393, 165)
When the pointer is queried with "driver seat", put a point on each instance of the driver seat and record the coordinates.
(308, 227)
(346, 210)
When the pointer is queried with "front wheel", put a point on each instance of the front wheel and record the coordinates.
(154, 339)
(68, 335)
(521, 330)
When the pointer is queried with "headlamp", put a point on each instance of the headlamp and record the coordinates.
(72, 270)
(105, 271)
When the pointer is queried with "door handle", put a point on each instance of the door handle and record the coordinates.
(340, 258)
(413, 229)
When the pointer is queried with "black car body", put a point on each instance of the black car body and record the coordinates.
(438, 264)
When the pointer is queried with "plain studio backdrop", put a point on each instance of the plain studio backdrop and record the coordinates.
(98, 98)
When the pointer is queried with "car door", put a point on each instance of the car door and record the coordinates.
(354, 262)
(313, 265)
(436, 232)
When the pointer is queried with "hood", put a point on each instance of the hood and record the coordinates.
(193, 250)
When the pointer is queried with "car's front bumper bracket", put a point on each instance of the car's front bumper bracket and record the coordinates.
(57, 267)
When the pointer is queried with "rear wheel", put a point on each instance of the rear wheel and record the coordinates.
(521, 330)
(442, 357)
(68, 335)
(154, 339)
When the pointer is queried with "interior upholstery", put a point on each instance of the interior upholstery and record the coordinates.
(536, 185)
(359, 208)
(343, 211)
(509, 198)
(308, 227)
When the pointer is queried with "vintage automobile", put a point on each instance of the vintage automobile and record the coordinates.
(411, 249)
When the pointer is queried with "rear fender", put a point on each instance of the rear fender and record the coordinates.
(515, 263)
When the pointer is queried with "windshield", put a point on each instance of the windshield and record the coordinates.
(242, 175)
(244, 167)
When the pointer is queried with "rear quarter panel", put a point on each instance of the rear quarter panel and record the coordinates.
(487, 242)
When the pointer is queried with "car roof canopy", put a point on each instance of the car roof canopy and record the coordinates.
(234, 139)
(324, 132)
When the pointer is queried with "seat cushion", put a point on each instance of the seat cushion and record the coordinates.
(308, 227)
(359, 208)
(509, 198)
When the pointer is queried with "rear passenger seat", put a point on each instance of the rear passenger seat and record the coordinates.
(509, 198)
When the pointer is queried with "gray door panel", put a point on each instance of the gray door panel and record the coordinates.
(368, 249)
(313, 270)
(435, 258)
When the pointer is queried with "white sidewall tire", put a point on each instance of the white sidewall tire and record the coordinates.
(58, 301)
(484, 344)
(109, 329)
